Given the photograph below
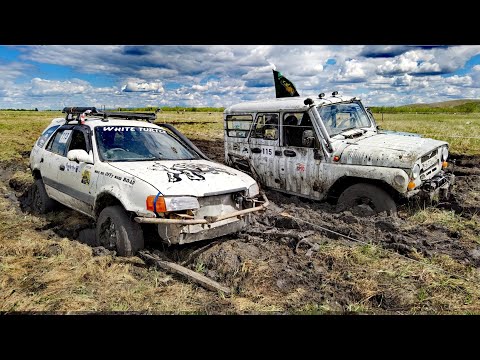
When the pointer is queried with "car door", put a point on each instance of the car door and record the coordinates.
(300, 162)
(264, 143)
(78, 178)
(53, 161)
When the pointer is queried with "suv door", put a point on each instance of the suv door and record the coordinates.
(300, 163)
(77, 178)
(264, 142)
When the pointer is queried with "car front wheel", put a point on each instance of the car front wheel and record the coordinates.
(366, 199)
(116, 231)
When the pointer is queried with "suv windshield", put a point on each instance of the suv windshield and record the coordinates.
(341, 117)
(135, 143)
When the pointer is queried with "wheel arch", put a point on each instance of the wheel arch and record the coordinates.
(36, 174)
(105, 199)
(345, 181)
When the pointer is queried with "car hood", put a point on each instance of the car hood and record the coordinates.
(387, 150)
(187, 177)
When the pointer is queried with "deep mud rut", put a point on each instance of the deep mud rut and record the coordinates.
(278, 255)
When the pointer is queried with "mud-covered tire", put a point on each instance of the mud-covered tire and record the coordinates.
(41, 202)
(116, 231)
(368, 196)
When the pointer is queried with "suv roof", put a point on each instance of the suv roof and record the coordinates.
(290, 103)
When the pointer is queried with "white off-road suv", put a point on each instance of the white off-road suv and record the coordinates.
(123, 170)
(316, 147)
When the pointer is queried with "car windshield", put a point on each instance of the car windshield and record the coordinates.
(135, 143)
(340, 117)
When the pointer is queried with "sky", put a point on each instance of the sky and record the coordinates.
(55, 76)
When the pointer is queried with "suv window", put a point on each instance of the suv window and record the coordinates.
(58, 143)
(238, 125)
(266, 127)
(341, 117)
(297, 129)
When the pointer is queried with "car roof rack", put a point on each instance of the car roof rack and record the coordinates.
(75, 113)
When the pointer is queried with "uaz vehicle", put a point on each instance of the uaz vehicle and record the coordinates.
(331, 147)
(124, 171)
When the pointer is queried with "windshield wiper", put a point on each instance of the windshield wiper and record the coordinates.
(350, 128)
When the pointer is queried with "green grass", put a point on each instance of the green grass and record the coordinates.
(452, 106)
(20, 129)
(457, 130)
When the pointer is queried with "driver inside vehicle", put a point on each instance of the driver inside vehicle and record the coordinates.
(108, 140)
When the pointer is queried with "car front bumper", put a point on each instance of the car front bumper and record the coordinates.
(181, 231)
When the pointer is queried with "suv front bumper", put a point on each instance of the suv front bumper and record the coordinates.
(437, 188)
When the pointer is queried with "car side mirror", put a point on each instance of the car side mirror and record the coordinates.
(80, 156)
(308, 138)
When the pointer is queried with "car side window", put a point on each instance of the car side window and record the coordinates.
(78, 141)
(58, 143)
(46, 134)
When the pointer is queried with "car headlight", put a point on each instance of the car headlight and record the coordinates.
(444, 153)
(253, 190)
(181, 203)
(161, 204)
(416, 171)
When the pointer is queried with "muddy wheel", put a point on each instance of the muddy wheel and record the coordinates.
(41, 202)
(366, 199)
(116, 231)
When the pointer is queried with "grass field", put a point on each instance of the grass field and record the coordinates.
(19, 129)
(458, 130)
(46, 271)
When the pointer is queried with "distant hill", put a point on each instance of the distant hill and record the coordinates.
(451, 106)
(443, 104)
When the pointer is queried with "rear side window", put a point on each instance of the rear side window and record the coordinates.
(58, 143)
(238, 125)
(46, 134)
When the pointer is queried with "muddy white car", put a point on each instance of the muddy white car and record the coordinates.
(321, 147)
(123, 171)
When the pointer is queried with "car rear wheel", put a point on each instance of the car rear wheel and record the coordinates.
(41, 202)
(366, 199)
(116, 231)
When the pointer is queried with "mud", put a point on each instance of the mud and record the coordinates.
(280, 255)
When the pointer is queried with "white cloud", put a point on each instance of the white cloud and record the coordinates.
(143, 87)
(43, 87)
(353, 71)
(222, 75)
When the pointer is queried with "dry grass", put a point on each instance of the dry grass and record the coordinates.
(468, 228)
(379, 279)
(58, 274)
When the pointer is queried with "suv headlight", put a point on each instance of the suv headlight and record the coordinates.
(253, 190)
(444, 153)
(416, 171)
